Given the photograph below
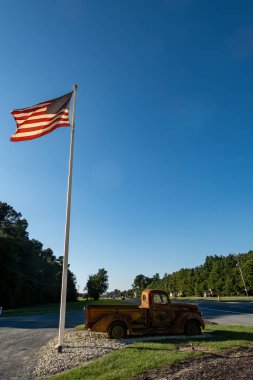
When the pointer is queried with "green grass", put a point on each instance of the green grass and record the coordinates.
(139, 357)
(128, 362)
(55, 307)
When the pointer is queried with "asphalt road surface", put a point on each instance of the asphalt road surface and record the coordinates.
(224, 313)
(21, 337)
(227, 313)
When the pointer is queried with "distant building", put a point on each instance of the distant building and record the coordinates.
(209, 293)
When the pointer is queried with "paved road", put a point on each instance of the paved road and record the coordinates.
(227, 313)
(21, 338)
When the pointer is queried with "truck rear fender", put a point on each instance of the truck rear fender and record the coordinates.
(103, 323)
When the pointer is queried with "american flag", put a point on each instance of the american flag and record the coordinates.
(42, 118)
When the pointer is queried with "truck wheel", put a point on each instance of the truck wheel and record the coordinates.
(117, 330)
(192, 327)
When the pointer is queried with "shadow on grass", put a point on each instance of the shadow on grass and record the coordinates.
(213, 336)
(198, 350)
(222, 335)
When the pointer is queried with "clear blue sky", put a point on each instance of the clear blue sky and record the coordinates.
(163, 166)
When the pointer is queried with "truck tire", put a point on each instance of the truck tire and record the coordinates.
(192, 327)
(117, 330)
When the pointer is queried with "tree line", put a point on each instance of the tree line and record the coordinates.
(230, 275)
(29, 274)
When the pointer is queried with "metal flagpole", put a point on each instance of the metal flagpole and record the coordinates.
(66, 246)
(240, 269)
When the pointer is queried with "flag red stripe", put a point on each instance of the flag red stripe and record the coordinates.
(39, 126)
(16, 139)
(40, 119)
(20, 118)
(31, 109)
(24, 117)
(34, 129)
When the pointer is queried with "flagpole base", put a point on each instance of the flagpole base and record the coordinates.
(59, 349)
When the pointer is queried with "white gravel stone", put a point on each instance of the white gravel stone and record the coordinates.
(79, 348)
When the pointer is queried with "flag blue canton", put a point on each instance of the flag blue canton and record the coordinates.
(59, 104)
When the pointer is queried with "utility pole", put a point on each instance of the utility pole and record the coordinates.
(240, 269)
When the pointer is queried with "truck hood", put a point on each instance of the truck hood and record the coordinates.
(188, 306)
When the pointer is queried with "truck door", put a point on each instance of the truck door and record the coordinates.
(161, 310)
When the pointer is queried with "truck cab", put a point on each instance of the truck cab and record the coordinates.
(159, 305)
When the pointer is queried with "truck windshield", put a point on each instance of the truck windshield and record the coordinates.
(160, 299)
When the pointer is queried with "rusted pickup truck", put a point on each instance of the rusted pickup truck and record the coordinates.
(156, 315)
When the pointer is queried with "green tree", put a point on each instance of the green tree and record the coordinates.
(141, 282)
(155, 281)
(216, 277)
(29, 274)
(248, 271)
(13, 238)
(11, 223)
(97, 284)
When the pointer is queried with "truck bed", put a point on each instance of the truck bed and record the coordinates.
(95, 312)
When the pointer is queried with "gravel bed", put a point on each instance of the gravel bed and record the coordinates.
(80, 347)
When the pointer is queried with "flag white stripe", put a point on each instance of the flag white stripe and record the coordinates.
(41, 123)
(25, 115)
(44, 116)
(35, 133)
(47, 115)
(35, 106)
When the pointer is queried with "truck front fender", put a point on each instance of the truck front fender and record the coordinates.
(181, 320)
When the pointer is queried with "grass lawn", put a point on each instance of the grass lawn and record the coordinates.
(55, 307)
(137, 358)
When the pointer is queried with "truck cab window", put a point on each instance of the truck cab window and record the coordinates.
(160, 299)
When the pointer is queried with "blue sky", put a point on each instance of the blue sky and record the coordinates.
(163, 165)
